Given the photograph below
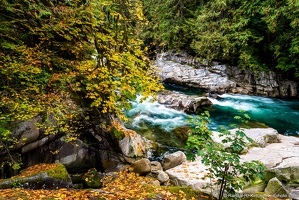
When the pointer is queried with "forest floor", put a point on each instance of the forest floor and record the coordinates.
(121, 185)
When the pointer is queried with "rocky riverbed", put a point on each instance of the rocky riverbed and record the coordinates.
(279, 153)
(182, 69)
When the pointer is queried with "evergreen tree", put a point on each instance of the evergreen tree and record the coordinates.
(260, 35)
(282, 19)
(167, 27)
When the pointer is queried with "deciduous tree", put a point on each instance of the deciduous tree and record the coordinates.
(66, 59)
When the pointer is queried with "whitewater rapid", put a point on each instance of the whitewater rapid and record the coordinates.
(279, 114)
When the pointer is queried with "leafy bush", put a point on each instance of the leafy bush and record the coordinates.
(223, 159)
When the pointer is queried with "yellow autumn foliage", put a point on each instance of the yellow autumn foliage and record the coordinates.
(66, 60)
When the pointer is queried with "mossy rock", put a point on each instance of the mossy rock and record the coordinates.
(255, 186)
(118, 135)
(288, 175)
(260, 187)
(255, 196)
(182, 132)
(182, 192)
(276, 188)
(41, 176)
(92, 179)
(189, 192)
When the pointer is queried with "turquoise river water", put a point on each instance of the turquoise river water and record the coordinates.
(157, 122)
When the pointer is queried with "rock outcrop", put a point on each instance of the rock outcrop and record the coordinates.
(182, 102)
(275, 188)
(173, 160)
(182, 69)
(261, 136)
(92, 148)
(279, 153)
(173, 72)
(132, 147)
(142, 166)
(261, 83)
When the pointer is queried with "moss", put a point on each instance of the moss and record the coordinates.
(271, 139)
(58, 172)
(189, 192)
(55, 170)
(179, 191)
(37, 174)
(119, 135)
(257, 184)
(256, 196)
(91, 179)
(182, 132)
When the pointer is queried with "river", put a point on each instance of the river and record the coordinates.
(158, 123)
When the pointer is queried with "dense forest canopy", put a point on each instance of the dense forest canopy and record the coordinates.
(260, 35)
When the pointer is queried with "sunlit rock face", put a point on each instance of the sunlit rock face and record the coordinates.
(182, 69)
(182, 102)
(186, 75)
(279, 153)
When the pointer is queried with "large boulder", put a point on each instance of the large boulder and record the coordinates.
(182, 102)
(181, 74)
(26, 132)
(142, 166)
(276, 189)
(288, 175)
(130, 143)
(162, 176)
(75, 156)
(173, 160)
(42, 176)
(132, 147)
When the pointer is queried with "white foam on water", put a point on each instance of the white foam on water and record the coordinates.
(235, 104)
(156, 114)
(246, 97)
(276, 113)
(165, 124)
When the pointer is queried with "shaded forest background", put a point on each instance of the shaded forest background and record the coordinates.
(260, 35)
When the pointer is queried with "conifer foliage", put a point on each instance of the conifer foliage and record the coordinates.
(259, 35)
